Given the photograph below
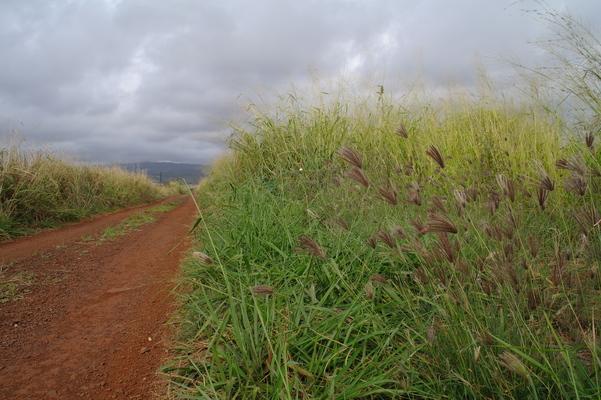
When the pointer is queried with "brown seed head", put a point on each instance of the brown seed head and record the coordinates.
(575, 164)
(202, 257)
(379, 278)
(435, 155)
(310, 246)
(389, 195)
(419, 226)
(542, 197)
(263, 290)
(414, 195)
(386, 238)
(402, 131)
(351, 156)
(358, 175)
(507, 186)
(589, 139)
(576, 184)
(440, 223)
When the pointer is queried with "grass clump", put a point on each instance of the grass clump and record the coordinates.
(39, 190)
(137, 220)
(376, 251)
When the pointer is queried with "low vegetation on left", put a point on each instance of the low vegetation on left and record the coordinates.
(41, 190)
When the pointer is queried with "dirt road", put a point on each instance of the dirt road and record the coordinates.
(92, 324)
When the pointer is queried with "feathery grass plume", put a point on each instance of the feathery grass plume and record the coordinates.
(202, 257)
(493, 202)
(575, 164)
(545, 181)
(576, 183)
(389, 195)
(440, 223)
(446, 248)
(337, 181)
(379, 278)
(312, 214)
(311, 246)
(358, 175)
(263, 290)
(589, 140)
(542, 197)
(438, 204)
(431, 332)
(386, 238)
(342, 223)
(507, 186)
(372, 241)
(472, 193)
(399, 232)
(460, 198)
(494, 232)
(414, 195)
(420, 228)
(587, 218)
(369, 290)
(435, 155)
(533, 246)
(409, 169)
(351, 156)
(402, 131)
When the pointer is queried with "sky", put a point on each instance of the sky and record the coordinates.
(155, 80)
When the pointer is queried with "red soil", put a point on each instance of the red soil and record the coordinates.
(92, 325)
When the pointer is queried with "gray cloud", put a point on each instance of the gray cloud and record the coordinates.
(133, 80)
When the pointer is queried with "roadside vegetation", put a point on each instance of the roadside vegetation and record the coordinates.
(371, 249)
(40, 190)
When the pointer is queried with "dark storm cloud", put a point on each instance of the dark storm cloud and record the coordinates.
(132, 80)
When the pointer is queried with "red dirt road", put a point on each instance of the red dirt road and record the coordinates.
(92, 325)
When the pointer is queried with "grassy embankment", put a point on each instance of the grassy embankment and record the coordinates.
(373, 252)
(39, 190)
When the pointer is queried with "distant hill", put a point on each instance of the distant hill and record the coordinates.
(168, 171)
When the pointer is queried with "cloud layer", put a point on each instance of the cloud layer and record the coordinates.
(133, 80)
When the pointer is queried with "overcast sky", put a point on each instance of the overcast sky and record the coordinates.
(135, 80)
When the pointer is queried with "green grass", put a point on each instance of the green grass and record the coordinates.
(39, 190)
(507, 307)
(137, 220)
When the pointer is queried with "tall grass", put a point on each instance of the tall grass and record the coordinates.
(39, 190)
(372, 251)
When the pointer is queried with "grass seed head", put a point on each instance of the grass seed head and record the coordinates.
(262, 290)
(202, 257)
(576, 183)
(440, 223)
(389, 195)
(507, 186)
(513, 364)
(435, 155)
(402, 131)
(379, 278)
(311, 246)
(414, 195)
(575, 164)
(359, 176)
(542, 197)
(420, 228)
(589, 139)
(386, 238)
(351, 156)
